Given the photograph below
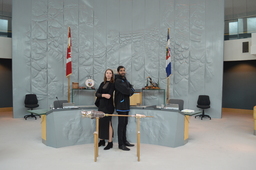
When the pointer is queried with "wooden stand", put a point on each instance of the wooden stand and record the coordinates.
(96, 133)
(96, 139)
(138, 138)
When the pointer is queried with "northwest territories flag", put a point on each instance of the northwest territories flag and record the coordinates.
(68, 61)
(168, 67)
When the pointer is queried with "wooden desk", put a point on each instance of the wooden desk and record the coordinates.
(42, 113)
(136, 99)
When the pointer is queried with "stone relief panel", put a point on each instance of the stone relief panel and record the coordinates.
(73, 130)
(55, 49)
(104, 36)
(99, 40)
(70, 19)
(39, 46)
(197, 49)
(86, 47)
(181, 50)
(167, 13)
(125, 39)
(112, 49)
(138, 60)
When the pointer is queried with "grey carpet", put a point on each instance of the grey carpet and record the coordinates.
(218, 144)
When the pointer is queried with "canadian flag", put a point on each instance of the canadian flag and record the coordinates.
(68, 61)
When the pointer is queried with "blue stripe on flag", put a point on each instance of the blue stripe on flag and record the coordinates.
(168, 69)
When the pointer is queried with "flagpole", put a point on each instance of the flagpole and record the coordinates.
(68, 89)
(168, 76)
(168, 89)
(68, 62)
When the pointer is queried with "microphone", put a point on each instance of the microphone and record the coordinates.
(59, 107)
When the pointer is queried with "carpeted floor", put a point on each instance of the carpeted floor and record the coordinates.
(218, 144)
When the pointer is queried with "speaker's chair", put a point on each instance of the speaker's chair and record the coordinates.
(203, 103)
(31, 102)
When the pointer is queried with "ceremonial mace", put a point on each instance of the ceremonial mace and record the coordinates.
(93, 114)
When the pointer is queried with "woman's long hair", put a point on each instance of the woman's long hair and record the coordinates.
(112, 78)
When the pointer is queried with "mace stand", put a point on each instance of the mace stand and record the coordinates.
(96, 140)
(97, 114)
(138, 138)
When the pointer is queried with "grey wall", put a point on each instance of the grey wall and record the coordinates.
(233, 50)
(108, 33)
(239, 84)
(6, 83)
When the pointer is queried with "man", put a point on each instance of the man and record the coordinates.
(123, 91)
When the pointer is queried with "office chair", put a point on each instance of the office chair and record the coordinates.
(177, 101)
(203, 103)
(58, 104)
(31, 102)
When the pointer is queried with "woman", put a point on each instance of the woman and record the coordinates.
(104, 103)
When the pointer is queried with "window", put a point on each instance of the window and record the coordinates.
(3, 25)
(251, 25)
(233, 28)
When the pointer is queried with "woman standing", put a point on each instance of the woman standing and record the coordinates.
(104, 103)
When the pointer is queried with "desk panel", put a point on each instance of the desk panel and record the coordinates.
(66, 127)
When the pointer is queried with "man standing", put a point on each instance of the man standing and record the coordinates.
(123, 91)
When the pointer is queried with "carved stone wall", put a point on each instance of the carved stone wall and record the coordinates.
(109, 33)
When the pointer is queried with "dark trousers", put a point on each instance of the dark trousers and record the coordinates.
(122, 124)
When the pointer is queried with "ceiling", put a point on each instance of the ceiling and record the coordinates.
(233, 8)
(6, 8)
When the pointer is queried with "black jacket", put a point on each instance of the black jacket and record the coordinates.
(105, 105)
(123, 91)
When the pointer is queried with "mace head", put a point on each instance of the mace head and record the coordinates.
(86, 113)
(92, 114)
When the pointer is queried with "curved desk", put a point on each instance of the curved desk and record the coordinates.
(67, 127)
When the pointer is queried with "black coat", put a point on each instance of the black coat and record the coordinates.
(105, 105)
(123, 91)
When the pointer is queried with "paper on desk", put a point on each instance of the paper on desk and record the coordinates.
(187, 111)
(171, 108)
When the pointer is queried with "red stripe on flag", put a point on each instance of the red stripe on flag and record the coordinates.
(68, 61)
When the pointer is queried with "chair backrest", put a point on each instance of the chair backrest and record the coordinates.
(203, 100)
(30, 99)
(177, 101)
(59, 103)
